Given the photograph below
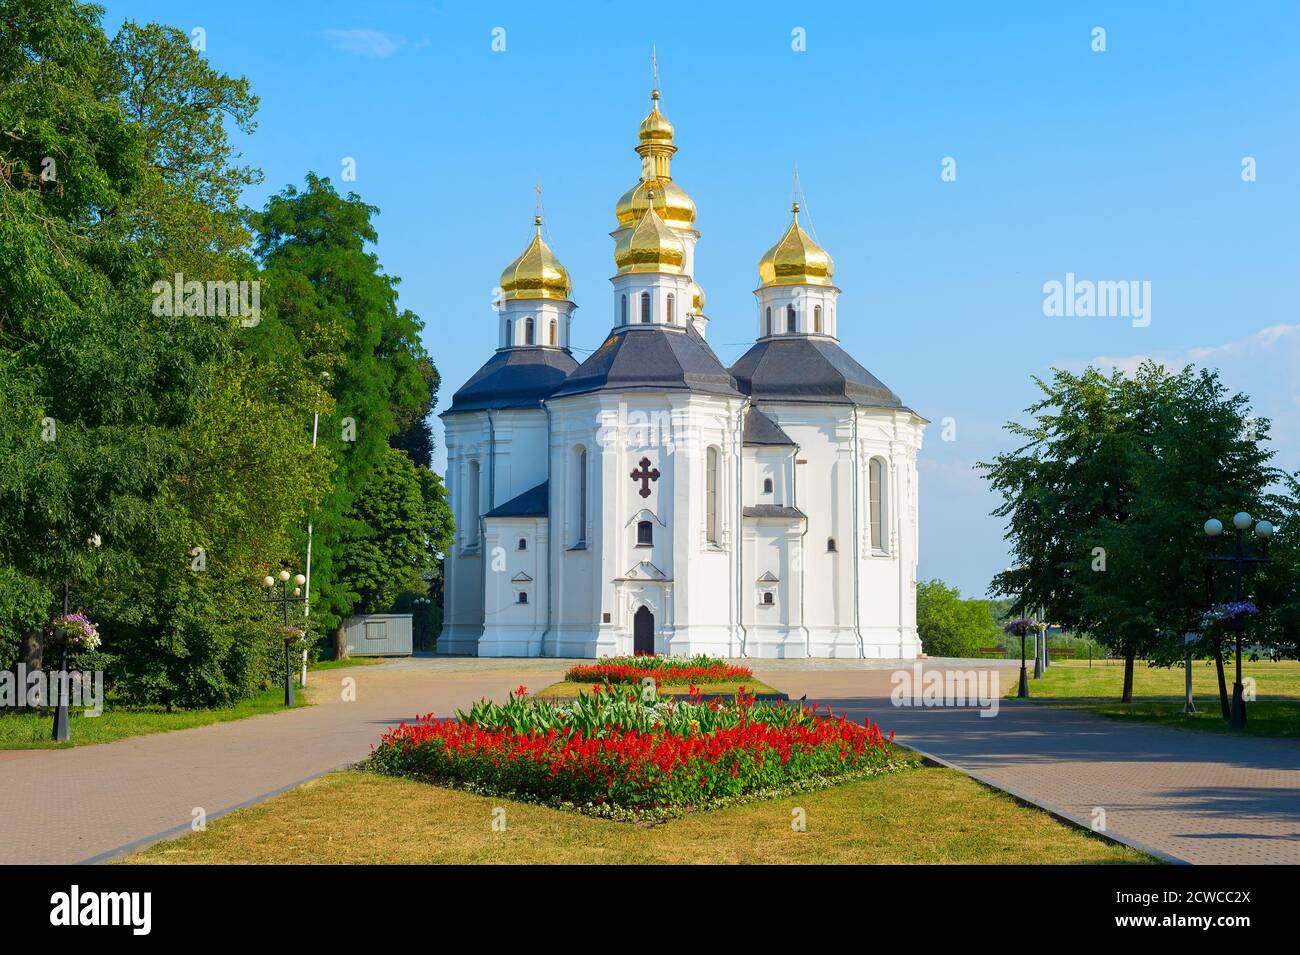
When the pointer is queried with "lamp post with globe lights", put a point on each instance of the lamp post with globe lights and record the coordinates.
(1239, 560)
(284, 598)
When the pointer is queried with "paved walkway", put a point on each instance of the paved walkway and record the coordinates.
(78, 804)
(1197, 797)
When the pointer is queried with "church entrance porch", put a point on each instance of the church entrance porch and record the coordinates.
(643, 631)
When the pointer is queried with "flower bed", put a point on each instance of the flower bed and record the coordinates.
(612, 754)
(664, 670)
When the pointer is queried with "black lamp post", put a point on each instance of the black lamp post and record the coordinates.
(421, 612)
(62, 731)
(1239, 559)
(284, 599)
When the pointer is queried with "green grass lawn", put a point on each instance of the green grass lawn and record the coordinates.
(344, 664)
(923, 815)
(1158, 694)
(32, 730)
(567, 689)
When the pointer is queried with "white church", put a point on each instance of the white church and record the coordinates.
(652, 500)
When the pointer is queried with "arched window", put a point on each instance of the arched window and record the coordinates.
(523, 597)
(767, 598)
(711, 480)
(791, 319)
(553, 331)
(523, 543)
(645, 308)
(670, 313)
(580, 511)
(830, 545)
(767, 485)
(769, 320)
(623, 311)
(645, 534)
(510, 333)
(472, 504)
(528, 330)
(876, 483)
(817, 319)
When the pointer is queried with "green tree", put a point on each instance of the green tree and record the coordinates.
(950, 626)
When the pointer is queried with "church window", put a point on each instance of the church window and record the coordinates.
(523, 597)
(791, 319)
(580, 532)
(671, 303)
(510, 333)
(875, 482)
(767, 485)
(523, 543)
(645, 308)
(553, 331)
(712, 466)
(471, 525)
(769, 320)
(528, 330)
(767, 598)
(830, 545)
(623, 310)
(817, 319)
(645, 534)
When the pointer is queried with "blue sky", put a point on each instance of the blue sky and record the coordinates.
(1117, 165)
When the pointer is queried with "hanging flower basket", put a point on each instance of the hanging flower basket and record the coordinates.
(1228, 613)
(291, 634)
(77, 629)
(1023, 627)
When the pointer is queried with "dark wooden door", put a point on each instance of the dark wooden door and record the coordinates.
(643, 631)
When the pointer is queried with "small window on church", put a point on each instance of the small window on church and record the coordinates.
(645, 534)
(645, 308)
(510, 329)
(830, 545)
(669, 314)
(769, 321)
(791, 319)
(767, 599)
(623, 310)
(523, 597)
(528, 331)
(553, 333)
(523, 543)
(817, 319)
(767, 485)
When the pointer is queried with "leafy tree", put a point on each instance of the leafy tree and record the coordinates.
(1106, 499)
(950, 626)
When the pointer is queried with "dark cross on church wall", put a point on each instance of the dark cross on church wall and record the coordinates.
(645, 476)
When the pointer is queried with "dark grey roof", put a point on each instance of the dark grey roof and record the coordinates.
(514, 378)
(773, 510)
(532, 503)
(650, 357)
(760, 429)
(809, 369)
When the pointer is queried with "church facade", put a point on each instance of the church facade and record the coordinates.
(650, 499)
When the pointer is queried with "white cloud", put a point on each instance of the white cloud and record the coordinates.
(370, 43)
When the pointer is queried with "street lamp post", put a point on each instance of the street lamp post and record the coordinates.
(62, 731)
(1189, 706)
(284, 599)
(1239, 559)
(421, 610)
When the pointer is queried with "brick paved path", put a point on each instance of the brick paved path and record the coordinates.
(72, 805)
(1198, 797)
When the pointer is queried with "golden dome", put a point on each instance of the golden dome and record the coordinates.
(672, 204)
(655, 128)
(795, 260)
(697, 299)
(537, 273)
(650, 247)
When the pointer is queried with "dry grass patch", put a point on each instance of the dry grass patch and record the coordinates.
(925, 815)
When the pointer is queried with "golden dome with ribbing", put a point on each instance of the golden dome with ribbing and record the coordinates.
(537, 273)
(655, 128)
(697, 299)
(650, 247)
(795, 260)
(671, 202)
